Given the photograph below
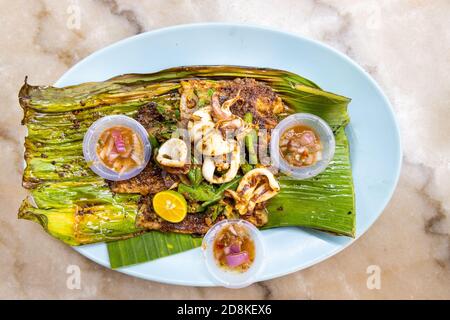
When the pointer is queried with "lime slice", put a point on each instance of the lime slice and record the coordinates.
(170, 205)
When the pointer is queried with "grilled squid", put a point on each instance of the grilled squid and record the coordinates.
(214, 144)
(208, 140)
(187, 105)
(257, 186)
(223, 112)
(173, 153)
(237, 125)
(200, 124)
(226, 120)
(211, 164)
(209, 128)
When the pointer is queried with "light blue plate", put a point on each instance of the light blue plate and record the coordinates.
(373, 133)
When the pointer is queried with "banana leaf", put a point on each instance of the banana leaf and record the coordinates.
(76, 206)
(149, 246)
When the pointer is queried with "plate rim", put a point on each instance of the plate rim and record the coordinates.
(263, 277)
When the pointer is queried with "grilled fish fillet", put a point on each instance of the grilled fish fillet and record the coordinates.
(150, 181)
(193, 223)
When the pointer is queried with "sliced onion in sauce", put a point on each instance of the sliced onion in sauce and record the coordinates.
(118, 141)
(307, 138)
(236, 259)
(235, 248)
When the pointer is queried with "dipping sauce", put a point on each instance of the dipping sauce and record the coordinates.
(300, 146)
(120, 149)
(234, 248)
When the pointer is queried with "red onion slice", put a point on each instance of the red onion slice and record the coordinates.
(307, 138)
(235, 248)
(236, 259)
(118, 141)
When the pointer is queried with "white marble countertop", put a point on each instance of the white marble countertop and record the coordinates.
(404, 44)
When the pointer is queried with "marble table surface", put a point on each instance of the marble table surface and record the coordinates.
(403, 44)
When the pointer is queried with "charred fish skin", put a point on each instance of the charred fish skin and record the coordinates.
(148, 219)
(151, 180)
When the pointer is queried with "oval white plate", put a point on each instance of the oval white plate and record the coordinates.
(373, 133)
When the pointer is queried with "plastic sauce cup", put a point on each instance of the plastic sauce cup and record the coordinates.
(90, 146)
(320, 128)
(230, 278)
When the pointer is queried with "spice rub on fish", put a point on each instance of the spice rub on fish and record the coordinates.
(150, 181)
(196, 223)
(250, 96)
(159, 117)
(254, 97)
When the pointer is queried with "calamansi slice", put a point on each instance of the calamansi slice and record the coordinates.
(170, 205)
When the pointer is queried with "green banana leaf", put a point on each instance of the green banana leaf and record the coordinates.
(76, 206)
(149, 246)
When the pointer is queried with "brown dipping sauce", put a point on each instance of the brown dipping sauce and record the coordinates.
(300, 146)
(120, 149)
(233, 248)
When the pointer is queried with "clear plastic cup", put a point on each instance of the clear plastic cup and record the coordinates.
(320, 127)
(90, 145)
(230, 278)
